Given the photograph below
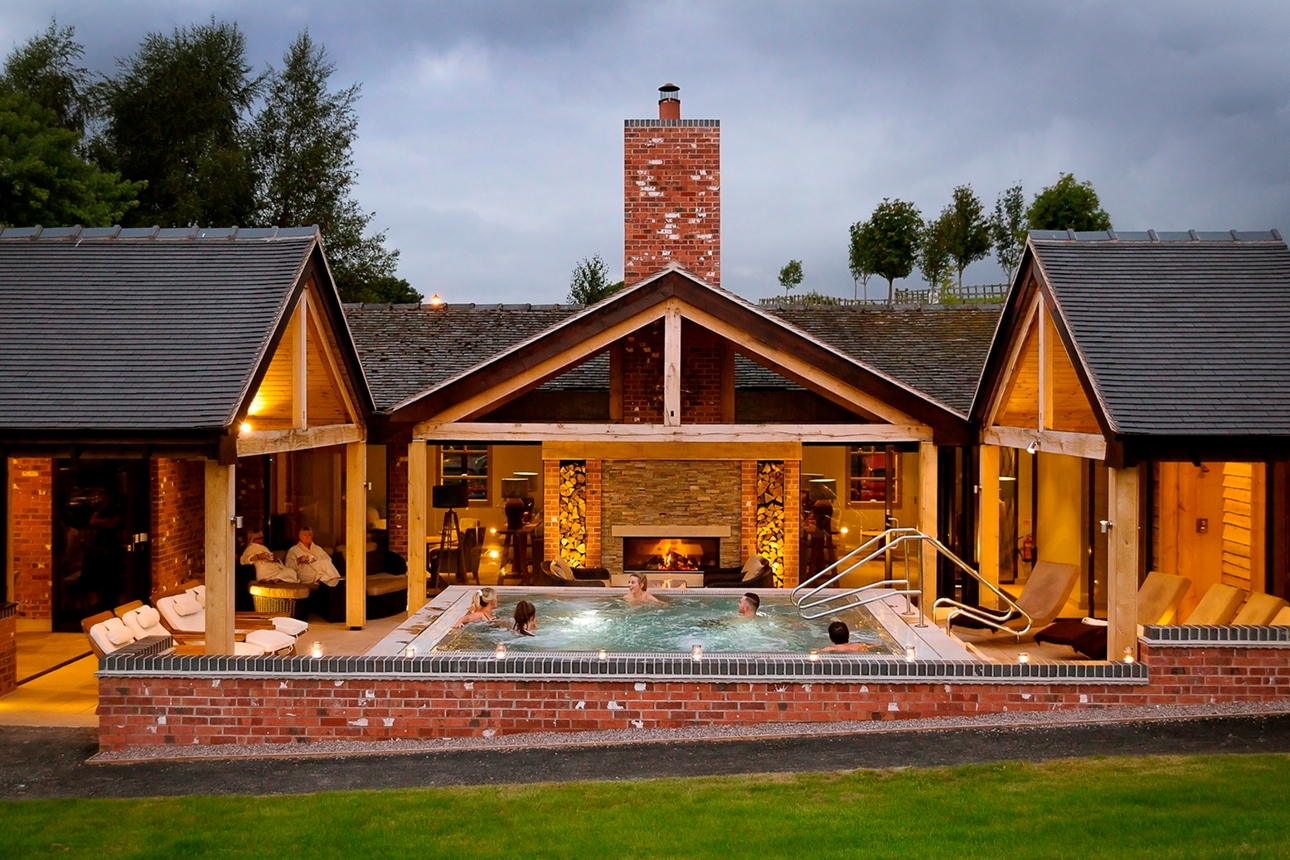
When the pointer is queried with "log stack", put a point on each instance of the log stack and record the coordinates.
(573, 512)
(770, 514)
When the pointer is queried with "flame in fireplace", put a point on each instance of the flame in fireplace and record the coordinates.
(672, 555)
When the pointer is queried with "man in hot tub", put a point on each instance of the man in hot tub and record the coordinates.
(748, 605)
(638, 589)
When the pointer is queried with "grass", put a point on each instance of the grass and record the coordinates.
(1215, 806)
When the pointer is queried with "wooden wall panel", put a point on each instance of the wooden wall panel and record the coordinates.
(271, 406)
(1071, 409)
(326, 404)
(1021, 398)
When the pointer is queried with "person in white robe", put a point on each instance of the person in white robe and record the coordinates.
(266, 566)
(310, 562)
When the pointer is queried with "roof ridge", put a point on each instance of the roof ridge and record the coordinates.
(77, 233)
(1153, 236)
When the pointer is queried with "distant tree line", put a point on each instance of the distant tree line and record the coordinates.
(896, 238)
(185, 133)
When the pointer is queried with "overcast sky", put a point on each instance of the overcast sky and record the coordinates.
(491, 133)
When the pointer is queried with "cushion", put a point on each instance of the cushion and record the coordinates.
(1047, 590)
(290, 626)
(1259, 609)
(270, 640)
(199, 592)
(117, 633)
(1282, 619)
(386, 583)
(1159, 597)
(186, 604)
(1218, 606)
(560, 569)
(247, 649)
(753, 568)
(98, 633)
(144, 621)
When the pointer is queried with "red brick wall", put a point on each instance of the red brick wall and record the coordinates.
(178, 522)
(31, 499)
(8, 650)
(792, 522)
(550, 509)
(701, 357)
(643, 375)
(396, 498)
(250, 497)
(672, 197)
(594, 488)
(307, 710)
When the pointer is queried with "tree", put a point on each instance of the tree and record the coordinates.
(590, 282)
(861, 252)
(965, 229)
(1008, 229)
(791, 275)
(176, 116)
(897, 227)
(47, 70)
(934, 251)
(302, 143)
(1068, 205)
(44, 180)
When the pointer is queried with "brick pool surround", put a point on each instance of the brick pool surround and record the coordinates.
(148, 698)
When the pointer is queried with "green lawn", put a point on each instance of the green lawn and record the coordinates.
(1217, 806)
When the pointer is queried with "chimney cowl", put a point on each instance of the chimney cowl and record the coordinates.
(669, 101)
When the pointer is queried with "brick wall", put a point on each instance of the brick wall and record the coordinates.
(8, 648)
(250, 497)
(669, 493)
(701, 358)
(792, 523)
(595, 492)
(178, 531)
(31, 536)
(643, 375)
(550, 509)
(396, 499)
(138, 712)
(672, 197)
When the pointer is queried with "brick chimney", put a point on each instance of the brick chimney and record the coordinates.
(672, 192)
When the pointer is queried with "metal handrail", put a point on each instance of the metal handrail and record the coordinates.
(815, 598)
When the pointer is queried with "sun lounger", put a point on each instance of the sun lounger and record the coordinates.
(144, 621)
(1158, 600)
(1042, 599)
(756, 573)
(1219, 605)
(1260, 609)
(106, 633)
(1282, 619)
(184, 615)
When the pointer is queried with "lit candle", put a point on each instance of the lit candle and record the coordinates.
(1023, 658)
(1128, 654)
(316, 649)
(813, 656)
(911, 653)
(410, 651)
(499, 652)
(603, 654)
(696, 653)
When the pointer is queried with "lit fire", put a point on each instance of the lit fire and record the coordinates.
(671, 556)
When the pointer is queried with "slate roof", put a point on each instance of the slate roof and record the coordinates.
(406, 349)
(138, 329)
(1183, 334)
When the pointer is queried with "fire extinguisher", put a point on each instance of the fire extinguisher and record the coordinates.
(1028, 549)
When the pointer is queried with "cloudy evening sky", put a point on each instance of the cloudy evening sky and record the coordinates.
(491, 133)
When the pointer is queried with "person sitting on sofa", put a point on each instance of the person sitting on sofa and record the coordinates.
(840, 636)
(266, 566)
(310, 562)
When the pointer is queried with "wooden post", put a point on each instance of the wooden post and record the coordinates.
(300, 370)
(727, 382)
(356, 535)
(927, 480)
(988, 540)
(616, 382)
(672, 367)
(221, 556)
(1122, 563)
(418, 508)
(1045, 367)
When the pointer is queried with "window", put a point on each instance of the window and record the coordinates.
(466, 464)
(869, 476)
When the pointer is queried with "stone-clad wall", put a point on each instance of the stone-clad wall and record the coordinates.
(669, 493)
(31, 539)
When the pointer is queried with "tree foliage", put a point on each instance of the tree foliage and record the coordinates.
(47, 69)
(176, 116)
(965, 229)
(861, 256)
(1008, 229)
(44, 180)
(790, 276)
(1067, 205)
(590, 282)
(897, 229)
(935, 254)
(302, 143)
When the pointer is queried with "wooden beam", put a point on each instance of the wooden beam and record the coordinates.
(988, 536)
(738, 451)
(356, 535)
(927, 481)
(221, 556)
(1090, 446)
(502, 432)
(300, 369)
(418, 507)
(259, 442)
(616, 382)
(1122, 563)
(672, 364)
(1045, 369)
(727, 382)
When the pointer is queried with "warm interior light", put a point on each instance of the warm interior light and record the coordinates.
(316, 649)
(246, 427)
(911, 653)
(843, 530)
(813, 656)
(499, 652)
(1023, 657)
(493, 530)
(410, 651)
(257, 405)
(696, 653)
(494, 554)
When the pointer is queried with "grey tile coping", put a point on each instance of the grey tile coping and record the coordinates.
(671, 123)
(8, 609)
(1229, 634)
(146, 658)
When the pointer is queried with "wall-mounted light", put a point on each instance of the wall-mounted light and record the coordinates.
(1032, 447)
(245, 428)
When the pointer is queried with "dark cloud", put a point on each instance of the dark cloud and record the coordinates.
(491, 143)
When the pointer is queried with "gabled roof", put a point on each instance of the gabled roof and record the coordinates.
(1176, 334)
(147, 330)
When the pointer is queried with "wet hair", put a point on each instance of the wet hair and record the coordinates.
(754, 600)
(643, 579)
(482, 598)
(525, 612)
(839, 633)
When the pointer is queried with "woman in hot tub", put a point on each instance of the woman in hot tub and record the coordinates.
(638, 589)
(482, 605)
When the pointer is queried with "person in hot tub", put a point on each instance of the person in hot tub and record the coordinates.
(748, 605)
(840, 636)
(482, 604)
(638, 589)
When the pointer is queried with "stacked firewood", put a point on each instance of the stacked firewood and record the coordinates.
(770, 513)
(573, 513)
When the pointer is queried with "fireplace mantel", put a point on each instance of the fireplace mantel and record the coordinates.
(670, 531)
